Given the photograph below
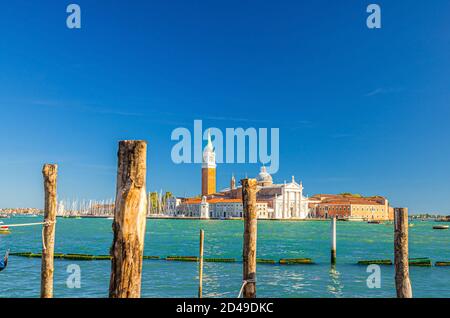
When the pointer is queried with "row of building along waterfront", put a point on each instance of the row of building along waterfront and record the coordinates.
(274, 200)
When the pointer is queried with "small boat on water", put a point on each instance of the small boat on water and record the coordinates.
(440, 227)
(4, 229)
(374, 222)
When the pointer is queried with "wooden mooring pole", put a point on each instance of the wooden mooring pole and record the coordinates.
(200, 265)
(129, 220)
(50, 173)
(401, 259)
(333, 240)
(250, 231)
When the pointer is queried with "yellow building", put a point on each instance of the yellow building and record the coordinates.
(352, 208)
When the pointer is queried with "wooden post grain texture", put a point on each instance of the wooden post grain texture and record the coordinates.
(402, 281)
(250, 232)
(129, 220)
(50, 173)
(200, 265)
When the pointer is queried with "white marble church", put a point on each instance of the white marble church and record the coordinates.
(274, 201)
(284, 201)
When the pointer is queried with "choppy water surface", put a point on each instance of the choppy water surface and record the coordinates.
(356, 241)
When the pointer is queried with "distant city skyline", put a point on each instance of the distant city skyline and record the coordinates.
(358, 110)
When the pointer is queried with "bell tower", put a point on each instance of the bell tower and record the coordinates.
(232, 183)
(209, 168)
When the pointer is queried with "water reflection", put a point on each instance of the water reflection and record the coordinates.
(221, 280)
(335, 286)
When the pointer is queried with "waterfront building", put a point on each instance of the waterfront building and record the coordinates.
(218, 208)
(274, 201)
(172, 205)
(351, 207)
(204, 209)
(283, 201)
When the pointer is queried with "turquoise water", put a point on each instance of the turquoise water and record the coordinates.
(355, 241)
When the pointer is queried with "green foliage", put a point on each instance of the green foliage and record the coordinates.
(157, 204)
(154, 202)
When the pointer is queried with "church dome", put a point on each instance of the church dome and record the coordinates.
(264, 178)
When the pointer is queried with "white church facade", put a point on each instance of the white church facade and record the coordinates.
(274, 201)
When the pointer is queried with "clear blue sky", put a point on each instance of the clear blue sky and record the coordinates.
(359, 110)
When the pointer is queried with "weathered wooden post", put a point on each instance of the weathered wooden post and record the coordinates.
(333, 240)
(200, 265)
(250, 231)
(401, 259)
(50, 173)
(129, 220)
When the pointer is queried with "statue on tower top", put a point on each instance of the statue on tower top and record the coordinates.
(233, 182)
(209, 156)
